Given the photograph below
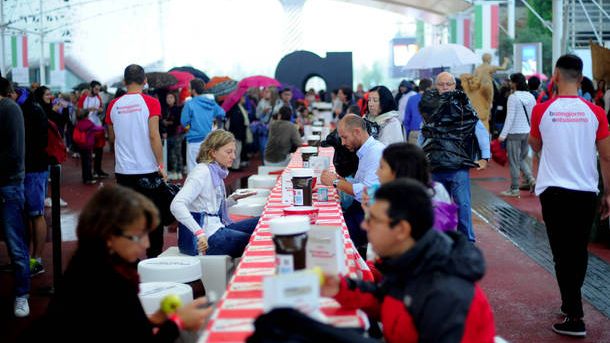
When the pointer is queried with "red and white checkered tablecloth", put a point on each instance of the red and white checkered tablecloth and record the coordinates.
(234, 316)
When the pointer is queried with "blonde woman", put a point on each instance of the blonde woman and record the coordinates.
(201, 205)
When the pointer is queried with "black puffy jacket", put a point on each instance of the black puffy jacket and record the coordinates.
(449, 130)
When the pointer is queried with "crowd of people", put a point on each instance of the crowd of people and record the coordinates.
(405, 195)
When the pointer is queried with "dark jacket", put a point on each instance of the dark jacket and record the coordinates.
(237, 123)
(428, 294)
(284, 138)
(172, 116)
(36, 137)
(449, 130)
(97, 301)
(12, 143)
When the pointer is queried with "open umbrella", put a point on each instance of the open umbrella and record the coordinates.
(297, 94)
(220, 87)
(541, 76)
(160, 79)
(256, 81)
(193, 71)
(444, 55)
(183, 78)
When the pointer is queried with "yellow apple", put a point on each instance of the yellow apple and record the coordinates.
(170, 304)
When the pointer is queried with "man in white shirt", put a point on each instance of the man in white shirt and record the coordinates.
(355, 137)
(570, 132)
(90, 106)
(133, 124)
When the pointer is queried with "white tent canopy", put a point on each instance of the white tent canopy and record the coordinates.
(433, 11)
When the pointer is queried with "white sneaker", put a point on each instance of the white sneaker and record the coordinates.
(22, 308)
(47, 202)
(62, 203)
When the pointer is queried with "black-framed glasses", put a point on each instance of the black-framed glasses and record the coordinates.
(391, 222)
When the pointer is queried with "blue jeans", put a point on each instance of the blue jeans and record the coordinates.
(12, 203)
(457, 183)
(230, 240)
(35, 189)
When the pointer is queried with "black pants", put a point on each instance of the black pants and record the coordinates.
(97, 161)
(155, 236)
(354, 215)
(85, 160)
(568, 216)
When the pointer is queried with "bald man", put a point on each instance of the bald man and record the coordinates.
(451, 155)
(355, 137)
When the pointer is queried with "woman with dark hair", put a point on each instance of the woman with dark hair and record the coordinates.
(383, 111)
(406, 160)
(516, 131)
(587, 89)
(103, 273)
(599, 93)
(173, 129)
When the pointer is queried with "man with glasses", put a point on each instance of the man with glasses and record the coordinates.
(428, 291)
(454, 140)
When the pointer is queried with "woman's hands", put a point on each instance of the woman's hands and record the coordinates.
(194, 315)
(202, 244)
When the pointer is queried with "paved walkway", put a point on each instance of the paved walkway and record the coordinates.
(519, 282)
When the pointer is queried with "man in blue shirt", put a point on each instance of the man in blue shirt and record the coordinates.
(412, 121)
(198, 115)
(355, 137)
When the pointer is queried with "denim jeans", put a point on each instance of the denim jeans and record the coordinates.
(230, 240)
(457, 183)
(12, 202)
(35, 189)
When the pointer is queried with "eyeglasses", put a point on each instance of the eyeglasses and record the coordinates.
(369, 219)
(445, 84)
(133, 238)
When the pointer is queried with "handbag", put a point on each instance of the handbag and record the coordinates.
(162, 194)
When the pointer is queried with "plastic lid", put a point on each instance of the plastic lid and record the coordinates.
(181, 269)
(292, 225)
(301, 172)
(152, 293)
(313, 138)
(309, 150)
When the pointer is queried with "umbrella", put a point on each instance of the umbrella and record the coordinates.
(256, 81)
(183, 78)
(220, 87)
(193, 71)
(541, 76)
(160, 79)
(444, 55)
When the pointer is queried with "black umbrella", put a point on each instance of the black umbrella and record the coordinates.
(194, 71)
(160, 80)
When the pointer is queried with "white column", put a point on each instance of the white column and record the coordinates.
(42, 71)
(510, 5)
(557, 29)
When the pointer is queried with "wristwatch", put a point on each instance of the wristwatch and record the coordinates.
(336, 182)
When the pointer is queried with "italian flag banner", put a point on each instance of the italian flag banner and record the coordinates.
(487, 29)
(56, 65)
(56, 56)
(19, 51)
(460, 31)
(19, 60)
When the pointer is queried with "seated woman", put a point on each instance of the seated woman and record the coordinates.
(99, 289)
(201, 205)
(401, 160)
(284, 138)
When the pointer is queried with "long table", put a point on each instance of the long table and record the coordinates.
(236, 311)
